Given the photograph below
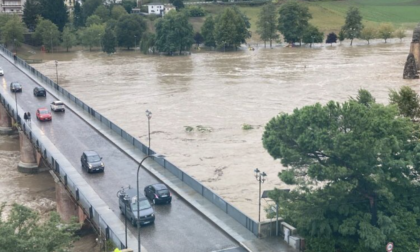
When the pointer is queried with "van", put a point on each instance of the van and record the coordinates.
(128, 207)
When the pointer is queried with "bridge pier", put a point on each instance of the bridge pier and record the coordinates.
(28, 157)
(66, 207)
(5, 122)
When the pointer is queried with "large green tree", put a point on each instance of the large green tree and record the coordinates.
(174, 33)
(55, 11)
(22, 230)
(353, 24)
(12, 32)
(31, 10)
(148, 42)
(47, 32)
(118, 11)
(230, 29)
(89, 7)
(312, 35)
(103, 12)
(93, 20)
(407, 101)
(69, 38)
(386, 31)
(78, 20)
(368, 33)
(207, 31)
(355, 167)
(92, 36)
(128, 28)
(109, 41)
(293, 20)
(266, 24)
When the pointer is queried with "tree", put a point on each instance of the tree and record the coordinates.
(341, 36)
(331, 38)
(368, 33)
(47, 32)
(55, 11)
(198, 38)
(31, 11)
(293, 20)
(407, 101)
(103, 12)
(207, 30)
(400, 33)
(69, 39)
(93, 20)
(353, 25)
(386, 31)
(148, 41)
(89, 6)
(312, 35)
(174, 33)
(355, 169)
(23, 231)
(230, 29)
(78, 20)
(128, 5)
(266, 24)
(12, 32)
(178, 4)
(92, 36)
(109, 41)
(118, 11)
(128, 28)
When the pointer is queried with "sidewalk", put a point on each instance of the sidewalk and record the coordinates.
(229, 225)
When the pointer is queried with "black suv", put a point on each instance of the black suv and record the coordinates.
(158, 193)
(15, 87)
(91, 161)
(40, 91)
(128, 207)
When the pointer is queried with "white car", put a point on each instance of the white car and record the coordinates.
(57, 106)
(1, 71)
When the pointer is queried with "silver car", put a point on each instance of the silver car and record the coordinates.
(1, 71)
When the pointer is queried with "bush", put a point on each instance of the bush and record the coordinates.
(247, 127)
(196, 11)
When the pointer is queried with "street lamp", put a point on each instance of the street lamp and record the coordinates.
(56, 70)
(149, 116)
(124, 197)
(16, 108)
(260, 176)
(138, 197)
(265, 194)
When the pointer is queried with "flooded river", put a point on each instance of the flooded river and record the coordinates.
(219, 92)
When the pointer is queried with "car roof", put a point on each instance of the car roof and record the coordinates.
(91, 153)
(132, 193)
(58, 102)
(43, 109)
(13, 83)
(159, 186)
(40, 88)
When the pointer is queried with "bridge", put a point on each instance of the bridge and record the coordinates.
(197, 220)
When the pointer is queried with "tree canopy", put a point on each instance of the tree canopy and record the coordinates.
(12, 31)
(31, 10)
(55, 11)
(407, 101)
(128, 28)
(368, 33)
(47, 32)
(386, 31)
(231, 28)
(311, 34)
(353, 24)
(266, 24)
(356, 168)
(92, 36)
(109, 41)
(22, 231)
(293, 20)
(331, 38)
(207, 31)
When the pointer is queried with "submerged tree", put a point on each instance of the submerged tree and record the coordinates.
(109, 41)
(266, 24)
(386, 31)
(294, 19)
(312, 35)
(207, 30)
(331, 38)
(353, 24)
(69, 39)
(355, 166)
(368, 33)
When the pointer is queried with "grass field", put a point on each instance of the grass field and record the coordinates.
(329, 16)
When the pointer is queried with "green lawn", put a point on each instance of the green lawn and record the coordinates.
(329, 15)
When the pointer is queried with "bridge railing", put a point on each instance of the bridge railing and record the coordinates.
(218, 201)
(97, 211)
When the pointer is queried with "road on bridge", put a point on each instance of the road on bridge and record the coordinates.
(178, 227)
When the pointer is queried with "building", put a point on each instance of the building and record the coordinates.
(168, 8)
(12, 6)
(155, 8)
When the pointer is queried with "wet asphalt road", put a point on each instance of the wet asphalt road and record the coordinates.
(178, 227)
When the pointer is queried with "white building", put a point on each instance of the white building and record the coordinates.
(12, 6)
(156, 8)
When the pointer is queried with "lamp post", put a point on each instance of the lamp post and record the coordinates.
(56, 70)
(16, 108)
(260, 176)
(124, 197)
(138, 196)
(149, 116)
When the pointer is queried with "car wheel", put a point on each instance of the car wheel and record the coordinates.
(169, 201)
(154, 202)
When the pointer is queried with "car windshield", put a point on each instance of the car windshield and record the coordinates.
(16, 84)
(144, 204)
(94, 158)
(163, 192)
(43, 112)
(58, 103)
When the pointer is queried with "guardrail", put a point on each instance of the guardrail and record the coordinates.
(218, 201)
(92, 205)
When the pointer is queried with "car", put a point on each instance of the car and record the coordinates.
(40, 91)
(43, 114)
(57, 106)
(158, 193)
(91, 161)
(15, 87)
(1, 71)
(128, 207)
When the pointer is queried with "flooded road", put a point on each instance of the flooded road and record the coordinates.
(219, 93)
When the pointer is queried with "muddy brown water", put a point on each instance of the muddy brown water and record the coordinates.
(219, 92)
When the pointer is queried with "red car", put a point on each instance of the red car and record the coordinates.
(43, 114)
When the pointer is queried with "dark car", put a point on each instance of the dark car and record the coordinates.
(15, 87)
(91, 161)
(158, 193)
(128, 207)
(40, 91)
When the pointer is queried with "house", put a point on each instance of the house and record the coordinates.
(155, 8)
(167, 8)
(12, 6)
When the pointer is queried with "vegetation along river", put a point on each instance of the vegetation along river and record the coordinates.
(220, 92)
